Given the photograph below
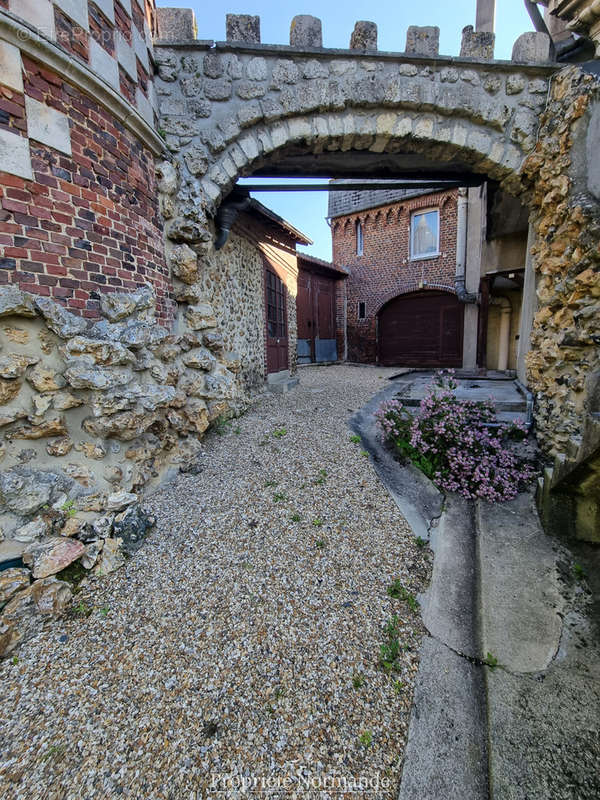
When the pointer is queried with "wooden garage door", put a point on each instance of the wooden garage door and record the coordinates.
(424, 329)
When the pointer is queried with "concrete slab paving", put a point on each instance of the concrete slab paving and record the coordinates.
(521, 602)
(545, 729)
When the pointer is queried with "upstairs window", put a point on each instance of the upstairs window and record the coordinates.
(425, 234)
(362, 309)
(359, 238)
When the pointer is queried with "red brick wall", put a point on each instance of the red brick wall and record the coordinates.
(87, 223)
(385, 269)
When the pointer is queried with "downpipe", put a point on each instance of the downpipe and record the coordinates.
(226, 216)
(461, 250)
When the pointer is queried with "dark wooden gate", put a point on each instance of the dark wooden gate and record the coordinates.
(422, 329)
(316, 318)
(277, 332)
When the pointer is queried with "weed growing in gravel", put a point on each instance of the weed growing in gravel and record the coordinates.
(270, 483)
(320, 543)
(69, 508)
(366, 738)
(296, 517)
(420, 542)
(83, 609)
(364, 453)
(398, 592)
(221, 425)
(55, 751)
(358, 680)
(104, 611)
(578, 571)
(15, 660)
(318, 523)
(237, 430)
(322, 477)
(279, 497)
(390, 650)
(279, 433)
(399, 687)
(355, 438)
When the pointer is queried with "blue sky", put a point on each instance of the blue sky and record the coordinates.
(307, 210)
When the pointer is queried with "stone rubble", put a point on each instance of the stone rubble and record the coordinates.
(107, 408)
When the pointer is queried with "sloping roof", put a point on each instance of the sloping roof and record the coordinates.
(342, 203)
(298, 236)
(321, 264)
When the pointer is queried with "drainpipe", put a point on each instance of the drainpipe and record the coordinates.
(504, 335)
(226, 216)
(461, 250)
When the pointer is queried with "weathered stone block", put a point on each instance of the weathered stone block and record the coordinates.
(11, 67)
(104, 64)
(217, 88)
(184, 263)
(242, 28)
(306, 31)
(423, 41)
(15, 157)
(118, 305)
(176, 24)
(364, 36)
(12, 580)
(477, 44)
(58, 319)
(53, 555)
(48, 126)
(533, 48)
(14, 301)
(256, 69)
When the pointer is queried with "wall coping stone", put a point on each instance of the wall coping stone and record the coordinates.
(38, 47)
(347, 54)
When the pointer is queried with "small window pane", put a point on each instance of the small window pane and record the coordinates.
(362, 310)
(425, 230)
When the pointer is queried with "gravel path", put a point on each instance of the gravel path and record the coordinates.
(243, 639)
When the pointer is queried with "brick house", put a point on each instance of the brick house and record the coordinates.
(399, 248)
(435, 278)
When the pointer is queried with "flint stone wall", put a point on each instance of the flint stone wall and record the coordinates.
(565, 341)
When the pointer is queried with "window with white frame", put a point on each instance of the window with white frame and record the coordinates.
(425, 234)
(359, 238)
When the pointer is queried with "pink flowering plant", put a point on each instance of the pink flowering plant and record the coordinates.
(453, 442)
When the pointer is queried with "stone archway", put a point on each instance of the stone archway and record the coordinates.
(233, 110)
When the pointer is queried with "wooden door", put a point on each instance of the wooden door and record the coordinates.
(277, 333)
(423, 329)
(315, 306)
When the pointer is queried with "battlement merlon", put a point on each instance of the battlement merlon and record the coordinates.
(178, 27)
